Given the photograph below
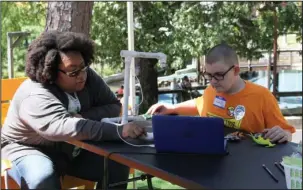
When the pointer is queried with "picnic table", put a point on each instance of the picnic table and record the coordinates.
(240, 169)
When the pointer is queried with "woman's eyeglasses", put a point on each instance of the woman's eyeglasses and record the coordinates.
(74, 73)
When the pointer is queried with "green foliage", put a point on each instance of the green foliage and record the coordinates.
(152, 29)
(181, 30)
(20, 16)
(202, 25)
(289, 21)
(155, 31)
(109, 30)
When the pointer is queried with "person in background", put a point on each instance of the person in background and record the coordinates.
(119, 93)
(242, 104)
(185, 85)
(120, 90)
(174, 86)
(63, 100)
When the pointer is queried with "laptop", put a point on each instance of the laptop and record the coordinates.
(186, 134)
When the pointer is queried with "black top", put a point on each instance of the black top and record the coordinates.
(241, 169)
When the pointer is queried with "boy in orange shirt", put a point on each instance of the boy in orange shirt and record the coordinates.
(242, 104)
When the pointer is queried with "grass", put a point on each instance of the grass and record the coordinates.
(157, 183)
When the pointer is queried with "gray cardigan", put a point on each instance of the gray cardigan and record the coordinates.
(38, 117)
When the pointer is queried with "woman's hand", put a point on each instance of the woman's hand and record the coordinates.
(132, 130)
(77, 115)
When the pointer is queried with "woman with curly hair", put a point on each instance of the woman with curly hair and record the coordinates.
(62, 100)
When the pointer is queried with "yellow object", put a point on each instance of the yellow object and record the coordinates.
(5, 165)
(261, 141)
(8, 89)
(4, 110)
(129, 107)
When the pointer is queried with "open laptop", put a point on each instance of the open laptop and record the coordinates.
(186, 134)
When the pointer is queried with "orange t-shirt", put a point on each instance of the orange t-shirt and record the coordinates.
(252, 109)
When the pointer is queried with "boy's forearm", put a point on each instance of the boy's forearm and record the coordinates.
(186, 108)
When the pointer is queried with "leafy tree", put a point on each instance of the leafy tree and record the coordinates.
(152, 34)
(109, 31)
(20, 16)
(289, 21)
(182, 30)
(234, 23)
(153, 29)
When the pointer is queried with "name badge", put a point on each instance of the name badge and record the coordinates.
(220, 102)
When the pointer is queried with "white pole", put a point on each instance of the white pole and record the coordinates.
(129, 55)
(10, 64)
(131, 47)
(126, 89)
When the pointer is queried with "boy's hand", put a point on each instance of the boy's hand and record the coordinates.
(277, 134)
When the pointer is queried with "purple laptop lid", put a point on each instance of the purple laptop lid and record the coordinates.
(186, 134)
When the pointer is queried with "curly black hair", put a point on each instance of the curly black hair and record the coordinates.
(43, 55)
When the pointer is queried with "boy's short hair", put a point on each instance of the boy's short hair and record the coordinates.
(222, 53)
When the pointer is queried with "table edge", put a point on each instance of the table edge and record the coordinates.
(132, 164)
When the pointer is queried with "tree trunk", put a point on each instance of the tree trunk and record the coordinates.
(69, 16)
(198, 70)
(148, 77)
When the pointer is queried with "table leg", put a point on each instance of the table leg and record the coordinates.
(134, 182)
(142, 177)
(6, 180)
(149, 182)
(105, 174)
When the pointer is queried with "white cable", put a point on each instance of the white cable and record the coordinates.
(142, 96)
(118, 124)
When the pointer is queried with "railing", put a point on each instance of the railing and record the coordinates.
(279, 94)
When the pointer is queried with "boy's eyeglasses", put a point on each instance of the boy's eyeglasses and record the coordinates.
(216, 76)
